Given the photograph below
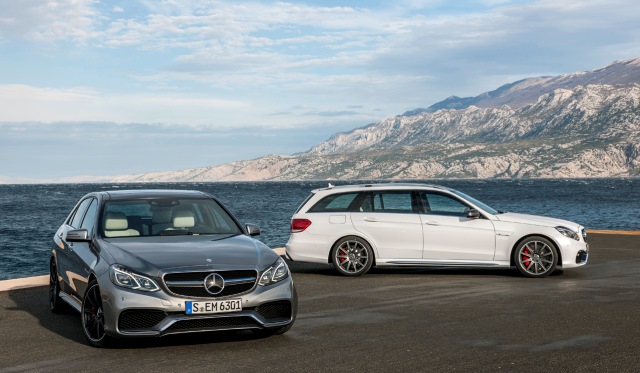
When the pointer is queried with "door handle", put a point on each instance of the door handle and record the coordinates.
(430, 222)
(372, 220)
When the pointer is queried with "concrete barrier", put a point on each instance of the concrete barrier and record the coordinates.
(21, 283)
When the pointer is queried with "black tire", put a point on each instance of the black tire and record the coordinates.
(352, 256)
(93, 317)
(56, 304)
(535, 257)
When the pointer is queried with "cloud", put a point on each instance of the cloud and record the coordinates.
(265, 57)
(48, 20)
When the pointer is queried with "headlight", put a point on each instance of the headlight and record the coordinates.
(568, 232)
(277, 272)
(123, 276)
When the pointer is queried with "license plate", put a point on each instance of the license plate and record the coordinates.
(220, 306)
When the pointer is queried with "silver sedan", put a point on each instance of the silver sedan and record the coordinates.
(153, 263)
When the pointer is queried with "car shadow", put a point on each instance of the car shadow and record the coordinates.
(67, 324)
(35, 301)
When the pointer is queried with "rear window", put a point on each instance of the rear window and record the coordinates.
(335, 203)
(304, 203)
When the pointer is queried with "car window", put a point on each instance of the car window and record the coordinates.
(90, 217)
(304, 203)
(395, 202)
(161, 217)
(440, 204)
(79, 214)
(335, 203)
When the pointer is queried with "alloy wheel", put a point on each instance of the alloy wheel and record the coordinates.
(93, 315)
(352, 257)
(536, 258)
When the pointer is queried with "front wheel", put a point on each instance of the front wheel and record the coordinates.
(536, 257)
(352, 256)
(93, 316)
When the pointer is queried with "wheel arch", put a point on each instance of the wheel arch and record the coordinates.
(512, 261)
(373, 249)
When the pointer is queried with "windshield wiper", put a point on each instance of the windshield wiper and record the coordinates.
(179, 233)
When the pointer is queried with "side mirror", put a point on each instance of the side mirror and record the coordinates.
(78, 235)
(252, 230)
(473, 214)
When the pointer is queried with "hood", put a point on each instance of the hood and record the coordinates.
(544, 221)
(152, 255)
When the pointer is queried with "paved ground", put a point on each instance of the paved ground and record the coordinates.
(586, 319)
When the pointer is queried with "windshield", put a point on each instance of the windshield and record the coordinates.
(166, 217)
(476, 202)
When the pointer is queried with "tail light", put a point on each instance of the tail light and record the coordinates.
(299, 225)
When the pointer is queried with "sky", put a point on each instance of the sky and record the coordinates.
(101, 88)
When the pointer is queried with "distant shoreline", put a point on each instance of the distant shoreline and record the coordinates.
(3, 183)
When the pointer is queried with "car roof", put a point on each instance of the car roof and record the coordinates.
(152, 193)
(359, 187)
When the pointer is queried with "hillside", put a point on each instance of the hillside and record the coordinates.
(587, 130)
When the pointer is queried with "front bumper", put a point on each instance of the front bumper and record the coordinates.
(130, 313)
(574, 253)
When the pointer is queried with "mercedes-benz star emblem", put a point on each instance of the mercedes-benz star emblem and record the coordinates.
(214, 284)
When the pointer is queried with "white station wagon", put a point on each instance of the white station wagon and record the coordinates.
(360, 226)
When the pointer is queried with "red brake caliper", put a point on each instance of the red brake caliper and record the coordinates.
(342, 260)
(527, 260)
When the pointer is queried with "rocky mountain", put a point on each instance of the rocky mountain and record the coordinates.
(527, 91)
(596, 111)
(578, 130)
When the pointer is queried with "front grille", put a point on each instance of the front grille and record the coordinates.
(272, 311)
(584, 235)
(214, 323)
(140, 319)
(197, 289)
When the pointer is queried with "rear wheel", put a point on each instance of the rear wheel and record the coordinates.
(56, 304)
(352, 256)
(536, 257)
(93, 316)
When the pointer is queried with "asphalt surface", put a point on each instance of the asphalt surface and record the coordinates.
(582, 320)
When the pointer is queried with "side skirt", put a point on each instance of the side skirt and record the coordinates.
(72, 301)
(442, 263)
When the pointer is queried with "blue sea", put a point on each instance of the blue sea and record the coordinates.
(30, 214)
